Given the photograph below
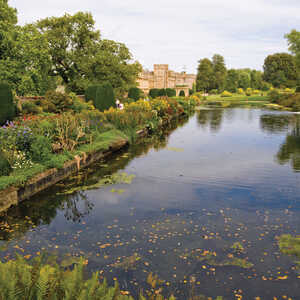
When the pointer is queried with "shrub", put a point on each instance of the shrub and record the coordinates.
(7, 106)
(170, 92)
(191, 92)
(90, 93)
(298, 89)
(248, 91)
(265, 86)
(240, 91)
(181, 93)
(62, 102)
(214, 92)
(47, 106)
(274, 96)
(153, 93)
(134, 93)
(29, 107)
(256, 92)
(288, 90)
(40, 149)
(162, 92)
(80, 105)
(105, 97)
(5, 168)
(226, 94)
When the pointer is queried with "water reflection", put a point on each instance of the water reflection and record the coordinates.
(289, 151)
(211, 119)
(277, 123)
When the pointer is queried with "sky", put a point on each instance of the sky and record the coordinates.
(180, 33)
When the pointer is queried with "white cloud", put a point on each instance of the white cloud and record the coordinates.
(182, 32)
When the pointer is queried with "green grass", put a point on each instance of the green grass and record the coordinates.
(237, 97)
(19, 177)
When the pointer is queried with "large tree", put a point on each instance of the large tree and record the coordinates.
(280, 70)
(8, 21)
(256, 78)
(294, 46)
(204, 75)
(24, 56)
(220, 72)
(80, 57)
(232, 80)
(244, 79)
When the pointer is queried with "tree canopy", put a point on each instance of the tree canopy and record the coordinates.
(80, 56)
(36, 57)
(280, 70)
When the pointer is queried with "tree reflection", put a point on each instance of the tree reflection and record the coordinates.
(289, 151)
(274, 124)
(211, 119)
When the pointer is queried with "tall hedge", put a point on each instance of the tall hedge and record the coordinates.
(181, 93)
(153, 93)
(102, 95)
(7, 106)
(170, 92)
(90, 93)
(134, 93)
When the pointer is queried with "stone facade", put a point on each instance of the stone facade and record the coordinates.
(161, 78)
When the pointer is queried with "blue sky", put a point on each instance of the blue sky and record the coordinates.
(182, 32)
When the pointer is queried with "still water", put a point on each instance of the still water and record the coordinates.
(200, 205)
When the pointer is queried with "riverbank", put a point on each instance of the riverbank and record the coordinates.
(128, 123)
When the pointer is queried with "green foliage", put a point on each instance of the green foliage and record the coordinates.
(91, 92)
(280, 70)
(46, 280)
(5, 167)
(248, 92)
(162, 92)
(297, 89)
(40, 149)
(105, 97)
(240, 91)
(226, 94)
(60, 101)
(294, 46)
(30, 107)
(181, 93)
(170, 92)
(219, 72)
(153, 93)
(134, 93)
(205, 75)
(7, 106)
(232, 79)
(80, 57)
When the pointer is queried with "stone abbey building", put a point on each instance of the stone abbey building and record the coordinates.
(161, 78)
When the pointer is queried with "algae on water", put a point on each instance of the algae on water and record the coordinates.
(116, 178)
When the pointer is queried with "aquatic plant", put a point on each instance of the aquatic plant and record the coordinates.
(290, 245)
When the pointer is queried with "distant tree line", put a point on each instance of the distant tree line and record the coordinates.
(280, 70)
(64, 50)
